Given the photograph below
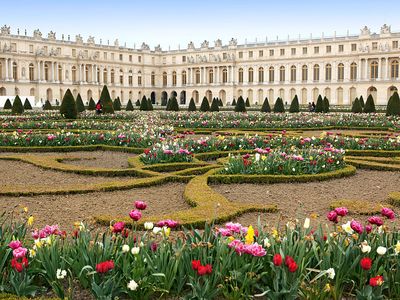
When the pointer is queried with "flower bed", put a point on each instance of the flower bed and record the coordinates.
(166, 154)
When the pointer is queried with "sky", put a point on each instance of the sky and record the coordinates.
(174, 23)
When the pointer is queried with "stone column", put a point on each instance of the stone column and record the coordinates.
(379, 69)
(11, 70)
(366, 69)
(43, 73)
(358, 70)
(6, 63)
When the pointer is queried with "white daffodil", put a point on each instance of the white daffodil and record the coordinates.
(132, 285)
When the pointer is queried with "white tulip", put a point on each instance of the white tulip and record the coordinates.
(125, 248)
(135, 250)
(60, 274)
(381, 250)
(331, 273)
(148, 225)
(132, 285)
(307, 223)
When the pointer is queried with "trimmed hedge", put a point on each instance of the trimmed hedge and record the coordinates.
(371, 165)
(27, 104)
(394, 198)
(17, 107)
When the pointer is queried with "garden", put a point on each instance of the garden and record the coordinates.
(141, 204)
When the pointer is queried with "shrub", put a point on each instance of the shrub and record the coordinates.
(362, 101)
(7, 104)
(265, 107)
(369, 105)
(205, 106)
(393, 107)
(356, 108)
(294, 106)
(214, 105)
(92, 104)
(279, 107)
(326, 105)
(17, 107)
(319, 108)
(27, 104)
(137, 102)
(144, 104)
(129, 106)
(106, 102)
(47, 105)
(240, 105)
(68, 106)
(192, 105)
(149, 105)
(220, 103)
(234, 102)
(247, 102)
(117, 104)
(80, 107)
(173, 104)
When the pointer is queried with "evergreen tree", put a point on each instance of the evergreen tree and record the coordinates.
(68, 106)
(234, 102)
(129, 106)
(173, 104)
(27, 104)
(92, 104)
(17, 107)
(393, 107)
(356, 108)
(240, 105)
(149, 105)
(319, 108)
(192, 105)
(144, 104)
(117, 104)
(369, 105)
(214, 105)
(279, 107)
(294, 106)
(362, 101)
(247, 102)
(80, 107)
(47, 105)
(326, 105)
(220, 103)
(7, 104)
(137, 102)
(106, 102)
(265, 107)
(205, 106)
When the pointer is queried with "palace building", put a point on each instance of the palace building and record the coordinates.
(339, 67)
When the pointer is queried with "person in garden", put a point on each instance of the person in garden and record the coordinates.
(313, 106)
(310, 107)
(98, 108)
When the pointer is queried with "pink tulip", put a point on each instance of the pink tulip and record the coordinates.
(135, 215)
(375, 220)
(356, 226)
(332, 216)
(341, 211)
(20, 252)
(15, 244)
(140, 205)
(118, 227)
(388, 213)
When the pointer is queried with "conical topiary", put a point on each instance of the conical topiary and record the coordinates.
(143, 104)
(137, 102)
(92, 104)
(47, 105)
(279, 107)
(17, 107)
(192, 105)
(68, 106)
(7, 104)
(79, 104)
(106, 102)
(294, 106)
(326, 105)
(220, 103)
(172, 104)
(393, 107)
(265, 107)
(356, 108)
(27, 104)
(234, 102)
(369, 105)
(129, 106)
(319, 108)
(247, 102)
(149, 105)
(240, 105)
(362, 101)
(205, 106)
(214, 105)
(117, 104)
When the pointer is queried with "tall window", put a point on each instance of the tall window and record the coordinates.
(153, 79)
(60, 77)
(251, 75)
(105, 76)
(316, 73)
(112, 76)
(139, 78)
(197, 76)
(74, 74)
(374, 70)
(46, 72)
(184, 79)
(282, 74)
(394, 69)
(240, 75)
(173, 78)
(271, 74)
(261, 74)
(293, 70)
(121, 76)
(353, 71)
(340, 72)
(304, 73)
(31, 72)
(224, 75)
(165, 79)
(211, 76)
(130, 78)
(328, 72)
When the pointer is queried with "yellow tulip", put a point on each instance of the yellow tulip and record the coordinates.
(30, 221)
(250, 235)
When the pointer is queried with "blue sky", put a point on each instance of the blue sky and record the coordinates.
(176, 22)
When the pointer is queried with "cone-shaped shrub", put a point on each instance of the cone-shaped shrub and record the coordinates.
(247, 102)
(205, 106)
(356, 108)
(7, 104)
(369, 105)
(17, 107)
(220, 102)
(240, 105)
(265, 107)
(149, 105)
(234, 102)
(68, 106)
(92, 104)
(137, 102)
(319, 108)
(362, 101)
(393, 106)
(47, 105)
(192, 105)
(294, 106)
(106, 102)
(279, 107)
(117, 104)
(129, 106)
(143, 104)
(326, 105)
(80, 107)
(214, 105)
(27, 104)
(173, 104)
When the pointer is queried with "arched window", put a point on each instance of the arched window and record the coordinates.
(240, 75)
(261, 74)
(46, 72)
(198, 76)
(130, 77)
(173, 78)
(184, 79)
(139, 78)
(165, 79)
(112, 76)
(282, 74)
(153, 79)
(271, 74)
(121, 76)
(74, 74)
(304, 73)
(394, 69)
(293, 70)
(328, 72)
(353, 71)
(224, 76)
(251, 75)
(374, 70)
(211, 76)
(15, 71)
(316, 73)
(105, 75)
(340, 72)
(31, 72)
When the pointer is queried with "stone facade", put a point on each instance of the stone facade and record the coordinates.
(43, 67)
